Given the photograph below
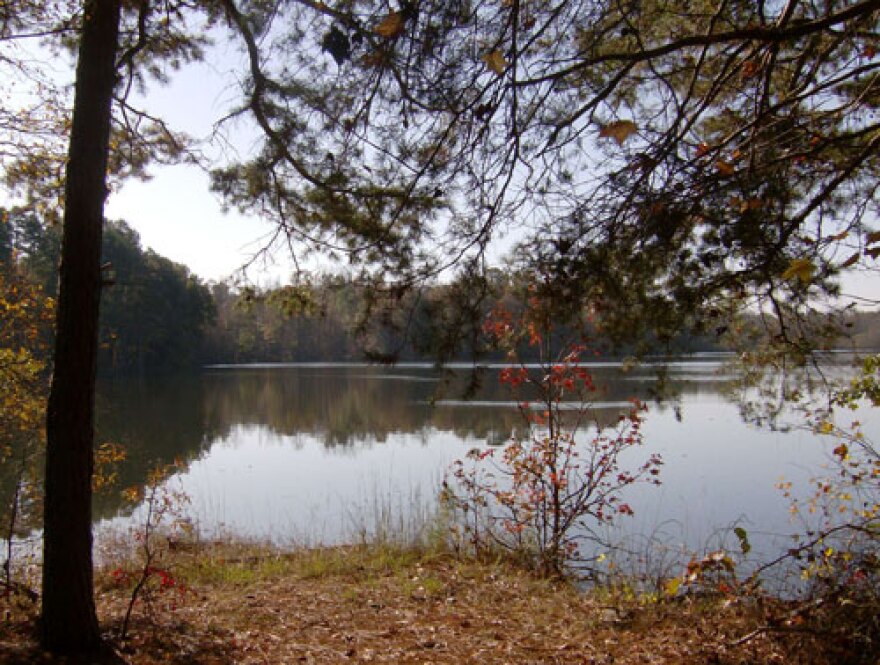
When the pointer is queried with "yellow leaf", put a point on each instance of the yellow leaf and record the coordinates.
(132, 494)
(495, 61)
(826, 427)
(801, 269)
(391, 26)
(619, 130)
(671, 587)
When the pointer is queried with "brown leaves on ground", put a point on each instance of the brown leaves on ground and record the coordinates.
(423, 611)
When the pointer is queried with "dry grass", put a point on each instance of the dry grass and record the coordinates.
(385, 605)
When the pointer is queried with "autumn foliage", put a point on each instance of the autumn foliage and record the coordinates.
(838, 554)
(24, 316)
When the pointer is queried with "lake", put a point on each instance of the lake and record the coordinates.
(325, 453)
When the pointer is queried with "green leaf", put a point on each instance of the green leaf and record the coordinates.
(743, 538)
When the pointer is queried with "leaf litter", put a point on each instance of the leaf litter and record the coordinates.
(348, 605)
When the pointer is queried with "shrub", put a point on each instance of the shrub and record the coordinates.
(545, 493)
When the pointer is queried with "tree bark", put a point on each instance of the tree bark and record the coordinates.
(69, 621)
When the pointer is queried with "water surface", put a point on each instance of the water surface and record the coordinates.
(318, 453)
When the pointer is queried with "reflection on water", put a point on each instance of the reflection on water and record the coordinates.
(312, 452)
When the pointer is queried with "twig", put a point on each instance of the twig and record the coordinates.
(778, 625)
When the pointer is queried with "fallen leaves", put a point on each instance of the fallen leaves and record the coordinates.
(500, 615)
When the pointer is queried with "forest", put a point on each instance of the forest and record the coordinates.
(667, 176)
(157, 317)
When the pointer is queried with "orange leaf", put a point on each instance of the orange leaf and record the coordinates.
(873, 237)
(725, 168)
(619, 130)
(391, 26)
(750, 68)
(703, 150)
(746, 206)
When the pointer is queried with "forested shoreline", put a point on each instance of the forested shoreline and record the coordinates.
(157, 316)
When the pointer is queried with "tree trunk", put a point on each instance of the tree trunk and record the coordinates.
(69, 622)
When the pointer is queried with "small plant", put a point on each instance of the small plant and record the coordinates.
(843, 512)
(837, 554)
(545, 493)
(152, 581)
(713, 573)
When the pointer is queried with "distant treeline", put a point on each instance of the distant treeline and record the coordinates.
(154, 312)
(157, 316)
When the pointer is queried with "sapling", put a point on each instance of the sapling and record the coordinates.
(164, 518)
(545, 492)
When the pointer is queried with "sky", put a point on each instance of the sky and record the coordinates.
(174, 212)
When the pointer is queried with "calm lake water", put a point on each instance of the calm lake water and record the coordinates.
(311, 454)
